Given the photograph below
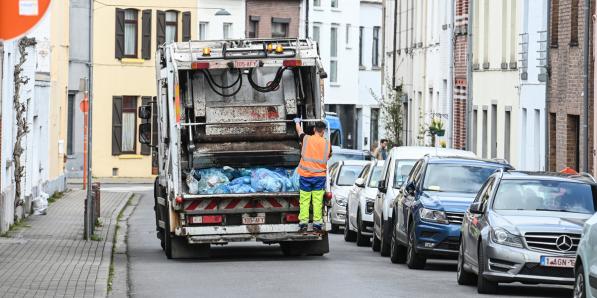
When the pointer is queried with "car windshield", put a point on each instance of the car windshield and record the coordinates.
(448, 177)
(375, 176)
(402, 170)
(348, 174)
(544, 195)
(336, 156)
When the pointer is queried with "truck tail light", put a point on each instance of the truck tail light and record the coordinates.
(328, 196)
(292, 63)
(292, 217)
(200, 65)
(179, 200)
(205, 219)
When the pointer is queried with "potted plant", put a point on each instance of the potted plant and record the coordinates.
(437, 127)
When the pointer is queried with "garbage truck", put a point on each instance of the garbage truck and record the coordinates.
(225, 146)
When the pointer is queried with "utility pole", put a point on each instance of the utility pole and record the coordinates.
(89, 215)
(585, 125)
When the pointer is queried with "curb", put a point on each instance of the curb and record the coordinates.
(119, 260)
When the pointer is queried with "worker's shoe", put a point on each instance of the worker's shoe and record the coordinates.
(302, 228)
(317, 228)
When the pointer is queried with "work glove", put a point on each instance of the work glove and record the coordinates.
(297, 120)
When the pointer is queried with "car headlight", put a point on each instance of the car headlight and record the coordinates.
(503, 237)
(437, 216)
(341, 202)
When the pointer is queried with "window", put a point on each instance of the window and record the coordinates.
(446, 177)
(507, 135)
(402, 169)
(130, 33)
(334, 3)
(227, 30)
(574, 23)
(347, 35)
(316, 33)
(70, 124)
(361, 29)
(334, 54)
(552, 141)
(484, 134)
(171, 26)
(573, 141)
(129, 124)
(494, 131)
(475, 138)
(555, 20)
(375, 176)
(280, 27)
(375, 50)
(317, 3)
(348, 174)
(203, 30)
(253, 27)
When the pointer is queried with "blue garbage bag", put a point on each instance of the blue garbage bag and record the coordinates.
(241, 180)
(265, 180)
(221, 189)
(211, 178)
(241, 188)
(295, 180)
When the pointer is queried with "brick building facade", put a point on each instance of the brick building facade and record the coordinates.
(565, 87)
(460, 74)
(272, 18)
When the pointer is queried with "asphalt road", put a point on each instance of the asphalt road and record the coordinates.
(257, 270)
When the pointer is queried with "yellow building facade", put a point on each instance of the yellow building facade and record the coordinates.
(125, 37)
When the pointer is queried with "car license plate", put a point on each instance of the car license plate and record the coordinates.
(254, 220)
(564, 262)
(246, 63)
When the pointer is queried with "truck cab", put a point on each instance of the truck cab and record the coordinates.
(228, 105)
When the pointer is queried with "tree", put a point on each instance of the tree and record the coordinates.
(391, 109)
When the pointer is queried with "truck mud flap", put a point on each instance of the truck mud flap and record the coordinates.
(309, 248)
(181, 249)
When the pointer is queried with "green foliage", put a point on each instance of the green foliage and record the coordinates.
(391, 109)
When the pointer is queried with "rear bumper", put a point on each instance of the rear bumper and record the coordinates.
(264, 233)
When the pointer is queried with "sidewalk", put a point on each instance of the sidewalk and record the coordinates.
(49, 258)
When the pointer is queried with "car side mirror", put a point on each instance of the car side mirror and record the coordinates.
(360, 182)
(410, 188)
(144, 112)
(381, 186)
(145, 133)
(475, 208)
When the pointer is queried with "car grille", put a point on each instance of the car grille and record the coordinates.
(451, 243)
(538, 270)
(549, 242)
(455, 217)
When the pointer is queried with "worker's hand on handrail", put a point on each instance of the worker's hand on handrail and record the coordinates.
(297, 120)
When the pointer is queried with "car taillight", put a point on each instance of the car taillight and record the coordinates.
(328, 196)
(205, 219)
(292, 63)
(179, 200)
(200, 65)
(292, 217)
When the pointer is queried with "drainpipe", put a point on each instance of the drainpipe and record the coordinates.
(307, 18)
(90, 204)
(469, 76)
(394, 46)
(547, 84)
(585, 99)
(450, 87)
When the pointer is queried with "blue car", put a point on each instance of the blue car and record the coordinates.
(430, 207)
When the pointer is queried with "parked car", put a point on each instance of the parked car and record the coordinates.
(348, 154)
(524, 227)
(585, 284)
(395, 170)
(429, 208)
(342, 177)
(359, 222)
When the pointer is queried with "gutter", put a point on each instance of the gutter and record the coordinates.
(547, 84)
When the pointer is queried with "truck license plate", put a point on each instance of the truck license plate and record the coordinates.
(558, 262)
(246, 63)
(254, 220)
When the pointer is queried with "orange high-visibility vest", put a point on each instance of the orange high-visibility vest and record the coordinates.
(314, 156)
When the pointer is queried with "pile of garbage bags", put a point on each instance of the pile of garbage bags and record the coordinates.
(242, 180)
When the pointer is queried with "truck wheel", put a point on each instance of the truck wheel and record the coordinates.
(362, 240)
(157, 192)
(413, 259)
(178, 248)
(386, 237)
(349, 236)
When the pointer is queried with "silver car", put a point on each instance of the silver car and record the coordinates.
(524, 227)
(342, 176)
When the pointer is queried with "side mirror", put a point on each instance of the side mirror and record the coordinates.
(145, 133)
(145, 112)
(381, 186)
(475, 208)
(360, 182)
(410, 188)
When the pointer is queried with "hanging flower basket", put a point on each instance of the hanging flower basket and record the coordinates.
(440, 132)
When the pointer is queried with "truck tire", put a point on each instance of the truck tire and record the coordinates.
(362, 240)
(158, 210)
(177, 247)
(386, 238)
(309, 248)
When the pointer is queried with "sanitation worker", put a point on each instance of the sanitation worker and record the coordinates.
(312, 169)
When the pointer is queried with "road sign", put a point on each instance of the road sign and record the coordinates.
(17, 17)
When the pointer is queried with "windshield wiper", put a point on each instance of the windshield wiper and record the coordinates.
(429, 189)
(555, 210)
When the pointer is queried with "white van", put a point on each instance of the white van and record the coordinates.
(395, 170)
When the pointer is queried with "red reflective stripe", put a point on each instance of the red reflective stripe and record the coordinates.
(274, 203)
(294, 202)
(193, 205)
(232, 204)
(253, 204)
(212, 205)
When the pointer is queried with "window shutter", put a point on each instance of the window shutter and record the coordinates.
(145, 149)
(116, 125)
(161, 28)
(186, 26)
(119, 34)
(146, 35)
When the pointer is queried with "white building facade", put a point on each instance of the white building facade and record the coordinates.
(221, 19)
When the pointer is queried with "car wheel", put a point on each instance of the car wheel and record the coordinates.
(386, 237)
(349, 236)
(579, 283)
(335, 228)
(413, 259)
(362, 240)
(375, 242)
(484, 286)
(397, 251)
(463, 277)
